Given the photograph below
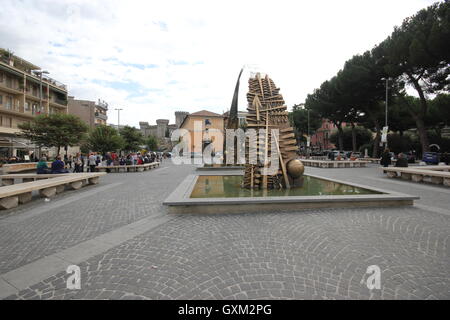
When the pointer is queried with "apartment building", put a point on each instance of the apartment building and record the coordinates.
(25, 92)
(91, 112)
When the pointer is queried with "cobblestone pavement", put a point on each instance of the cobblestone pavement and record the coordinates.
(309, 254)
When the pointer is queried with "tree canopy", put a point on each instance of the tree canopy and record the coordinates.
(132, 137)
(104, 139)
(152, 143)
(415, 56)
(54, 130)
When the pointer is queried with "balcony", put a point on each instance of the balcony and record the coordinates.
(101, 116)
(15, 112)
(10, 88)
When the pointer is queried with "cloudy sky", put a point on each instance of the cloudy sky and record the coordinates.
(152, 58)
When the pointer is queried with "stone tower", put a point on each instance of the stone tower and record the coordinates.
(179, 117)
(161, 127)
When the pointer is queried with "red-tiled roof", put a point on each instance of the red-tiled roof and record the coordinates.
(205, 113)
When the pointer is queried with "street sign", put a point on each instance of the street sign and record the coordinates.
(384, 133)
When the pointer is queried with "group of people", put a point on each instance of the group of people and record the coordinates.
(402, 160)
(57, 166)
(80, 161)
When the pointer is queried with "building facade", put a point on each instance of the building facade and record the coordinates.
(204, 128)
(25, 92)
(91, 112)
(321, 138)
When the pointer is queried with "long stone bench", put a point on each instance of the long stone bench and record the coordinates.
(8, 179)
(335, 164)
(420, 174)
(20, 167)
(128, 168)
(12, 195)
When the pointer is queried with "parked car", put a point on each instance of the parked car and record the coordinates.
(356, 155)
(431, 157)
(339, 153)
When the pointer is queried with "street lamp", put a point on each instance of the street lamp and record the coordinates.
(118, 118)
(40, 72)
(386, 107)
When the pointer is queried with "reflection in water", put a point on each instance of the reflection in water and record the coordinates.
(230, 187)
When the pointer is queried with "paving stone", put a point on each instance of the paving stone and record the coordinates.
(309, 254)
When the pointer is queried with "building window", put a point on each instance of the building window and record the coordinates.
(35, 109)
(27, 106)
(1, 76)
(6, 122)
(9, 102)
(8, 82)
(207, 122)
(1, 99)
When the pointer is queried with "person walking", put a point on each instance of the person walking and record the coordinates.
(92, 162)
(385, 158)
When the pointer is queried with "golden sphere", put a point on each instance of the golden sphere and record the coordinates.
(295, 168)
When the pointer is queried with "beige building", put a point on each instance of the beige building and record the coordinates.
(91, 112)
(25, 92)
(204, 127)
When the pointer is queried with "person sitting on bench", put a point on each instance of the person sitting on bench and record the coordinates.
(401, 161)
(41, 167)
(58, 166)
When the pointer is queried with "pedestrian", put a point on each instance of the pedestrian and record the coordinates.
(78, 163)
(92, 162)
(385, 158)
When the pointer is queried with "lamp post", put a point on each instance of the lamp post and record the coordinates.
(40, 72)
(118, 118)
(386, 107)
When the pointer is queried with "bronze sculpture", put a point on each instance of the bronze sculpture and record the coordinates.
(266, 111)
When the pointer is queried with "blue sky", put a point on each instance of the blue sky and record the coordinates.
(152, 58)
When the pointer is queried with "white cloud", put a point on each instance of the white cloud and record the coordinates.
(99, 48)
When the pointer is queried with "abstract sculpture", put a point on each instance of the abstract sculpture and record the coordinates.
(266, 111)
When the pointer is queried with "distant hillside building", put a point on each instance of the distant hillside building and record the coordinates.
(162, 129)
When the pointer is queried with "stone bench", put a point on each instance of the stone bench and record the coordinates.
(8, 179)
(12, 195)
(128, 168)
(20, 167)
(420, 174)
(335, 164)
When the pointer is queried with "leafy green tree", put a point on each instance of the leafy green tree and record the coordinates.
(104, 139)
(363, 136)
(133, 138)
(299, 121)
(400, 119)
(328, 103)
(54, 130)
(152, 143)
(439, 113)
(417, 54)
(360, 81)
